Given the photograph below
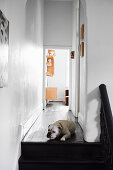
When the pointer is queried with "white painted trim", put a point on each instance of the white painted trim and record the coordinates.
(82, 117)
(70, 83)
(58, 100)
(86, 43)
(77, 62)
(81, 120)
(44, 79)
(27, 124)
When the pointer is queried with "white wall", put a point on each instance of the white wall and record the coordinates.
(60, 79)
(99, 61)
(58, 23)
(24, 92)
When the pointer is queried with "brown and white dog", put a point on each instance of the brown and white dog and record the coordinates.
(63, 128)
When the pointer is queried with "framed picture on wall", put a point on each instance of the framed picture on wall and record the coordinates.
(4, 46)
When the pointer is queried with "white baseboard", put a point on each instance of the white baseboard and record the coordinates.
(58, 100)
(26, 125)
(24, 128)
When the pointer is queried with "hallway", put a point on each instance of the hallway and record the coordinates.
(54, 111)
(27, 29)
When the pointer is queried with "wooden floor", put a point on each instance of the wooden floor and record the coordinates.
(54, 111)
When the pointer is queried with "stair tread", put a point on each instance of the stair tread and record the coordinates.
(62, 143)
(61, 151)
(64, 159)
(60, 161)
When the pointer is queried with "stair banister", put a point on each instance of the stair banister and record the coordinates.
(106, 126)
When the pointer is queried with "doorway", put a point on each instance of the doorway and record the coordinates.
(56, 77)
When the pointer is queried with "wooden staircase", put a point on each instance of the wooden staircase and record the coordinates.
(58, 155)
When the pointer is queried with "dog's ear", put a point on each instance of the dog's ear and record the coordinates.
(59, 126)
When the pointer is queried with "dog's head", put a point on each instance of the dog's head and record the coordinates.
(54, 131)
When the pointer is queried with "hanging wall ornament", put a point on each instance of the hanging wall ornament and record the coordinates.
(4, 45)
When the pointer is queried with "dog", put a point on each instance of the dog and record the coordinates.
(63, 128)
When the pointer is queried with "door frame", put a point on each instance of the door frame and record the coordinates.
(77, 62)
(82, 116)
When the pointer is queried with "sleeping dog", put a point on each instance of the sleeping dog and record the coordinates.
(63, 128)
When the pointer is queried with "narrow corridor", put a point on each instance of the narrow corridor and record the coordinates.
(54, 111)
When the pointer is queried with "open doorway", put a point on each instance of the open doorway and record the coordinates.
(56, 77)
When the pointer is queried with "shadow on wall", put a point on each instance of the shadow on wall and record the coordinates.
(31, 21)
(93, 116)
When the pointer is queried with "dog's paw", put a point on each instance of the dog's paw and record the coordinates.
(62, 139)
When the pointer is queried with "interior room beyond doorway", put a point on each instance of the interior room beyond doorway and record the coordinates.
(57, 75)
